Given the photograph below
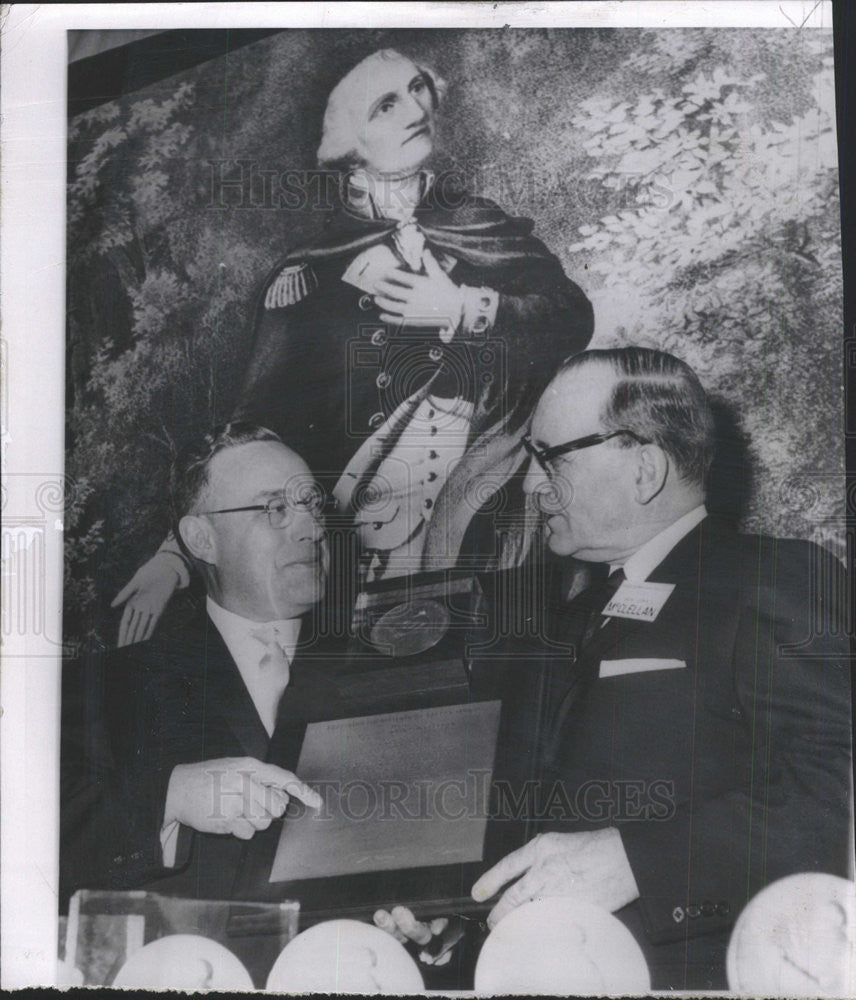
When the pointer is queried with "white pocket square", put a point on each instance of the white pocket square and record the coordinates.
(613, 668)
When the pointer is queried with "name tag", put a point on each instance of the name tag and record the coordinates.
(614, 668)
(640, 601)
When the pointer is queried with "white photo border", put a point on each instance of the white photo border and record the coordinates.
(32, 284)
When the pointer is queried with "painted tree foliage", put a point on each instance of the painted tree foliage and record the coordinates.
(156, 294)
(686, 179)
(729, 252)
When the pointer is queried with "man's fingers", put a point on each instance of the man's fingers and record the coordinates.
(131, 630)
(432, 265)
(270, 774)
(390, 305)
(268, 801)
(395, 318)
(141, 623)
(266, 773)
(260, 822)
(125, 625)
(123, 594)
(503, 871)
(242, 828)
(439, 925)
(514, 896)
(384, 920)
(403, 279)
(276, 801)
(257, 808)
(390, 290)
(150, 627)
(413, 928)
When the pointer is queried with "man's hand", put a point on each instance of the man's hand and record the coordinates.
(590, 866)
(237, 795)
(404, 927)
(430, 299)
(148, 592)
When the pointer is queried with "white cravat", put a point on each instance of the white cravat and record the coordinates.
(410, 242)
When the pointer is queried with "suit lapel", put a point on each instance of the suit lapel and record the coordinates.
(312, 694)
(679, 567)
(226, 696)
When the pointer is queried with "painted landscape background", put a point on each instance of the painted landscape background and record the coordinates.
(686, 178)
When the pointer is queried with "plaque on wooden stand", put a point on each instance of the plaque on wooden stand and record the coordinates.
(409, 639)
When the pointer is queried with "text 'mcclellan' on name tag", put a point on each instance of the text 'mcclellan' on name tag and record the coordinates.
(640, 601)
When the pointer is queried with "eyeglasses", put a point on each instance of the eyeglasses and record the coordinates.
(544, 456)
(281, 512)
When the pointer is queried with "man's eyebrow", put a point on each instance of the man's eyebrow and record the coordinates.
(269, 494)
(391, 96)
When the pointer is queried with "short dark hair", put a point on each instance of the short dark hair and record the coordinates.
(661, 399)
(189, 474)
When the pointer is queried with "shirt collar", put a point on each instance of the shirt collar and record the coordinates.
(236, 630)
(646, 559)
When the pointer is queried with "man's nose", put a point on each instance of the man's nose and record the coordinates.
(552, 496)
(418, 111)
(307, 527)
(535, 478)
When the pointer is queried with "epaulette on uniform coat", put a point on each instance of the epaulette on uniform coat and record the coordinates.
(293, 283)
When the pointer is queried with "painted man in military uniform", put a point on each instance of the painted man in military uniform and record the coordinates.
(402, 350)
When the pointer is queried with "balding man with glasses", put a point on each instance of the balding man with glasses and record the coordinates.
(175, 751)
(700, 745)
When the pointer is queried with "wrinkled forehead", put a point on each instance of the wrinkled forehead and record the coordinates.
(255, 471)
(572, 404)
(378, 74)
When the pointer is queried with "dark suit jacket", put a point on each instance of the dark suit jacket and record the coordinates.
(131, 715)
(730, 772)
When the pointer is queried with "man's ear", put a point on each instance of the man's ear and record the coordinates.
(652, 471)
(199, 537)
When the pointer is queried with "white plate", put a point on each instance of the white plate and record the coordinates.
(345, 956)
(561, 946)
(184, 962)
(796, 937)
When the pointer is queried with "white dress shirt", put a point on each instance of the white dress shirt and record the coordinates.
(247, 651)
(648, 557)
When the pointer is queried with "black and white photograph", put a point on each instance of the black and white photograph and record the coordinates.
(449, 530)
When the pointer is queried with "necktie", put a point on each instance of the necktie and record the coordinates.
(273, 675)
(601, 595)
(595, 599)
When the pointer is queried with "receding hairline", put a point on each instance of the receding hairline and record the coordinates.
(207, 485)
(577, 372)
(579, 364)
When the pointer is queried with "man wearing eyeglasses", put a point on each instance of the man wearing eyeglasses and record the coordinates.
(701, 736)
(173, 748)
